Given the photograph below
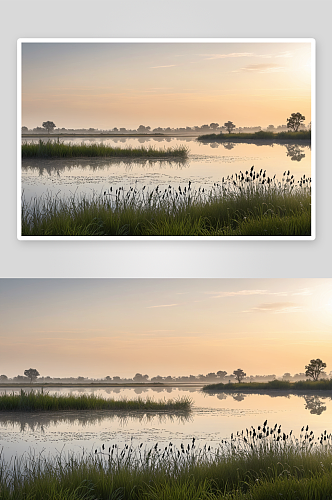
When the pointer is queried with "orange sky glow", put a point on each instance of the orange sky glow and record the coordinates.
(118, 327)
(107, 85)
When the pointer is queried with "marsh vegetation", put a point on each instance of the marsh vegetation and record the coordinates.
(244, 204)
(258, 463)
(40, 401)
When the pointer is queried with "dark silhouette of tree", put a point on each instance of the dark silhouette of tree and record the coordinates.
(25, 129)
(295, 121)
(49, 126)
(315, 368)
(214, 126)
(32, 374)
(229, 126)
(3, 378)
(239, 374)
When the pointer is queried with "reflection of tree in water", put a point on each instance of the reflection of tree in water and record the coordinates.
(295, 152)
(214, 145)
(39, 421)
(314, 404)
(229, 145)
(239, 396)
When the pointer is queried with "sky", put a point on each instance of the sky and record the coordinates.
(119, 327)
(107, 85)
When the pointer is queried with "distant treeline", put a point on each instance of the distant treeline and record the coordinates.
(274, 384)
(221, 377)
(197, 129)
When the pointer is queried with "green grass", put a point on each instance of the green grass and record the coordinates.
(303, 135)
(40, 401)
(262, 463)
(319, 385)
(249, 204)
(52, 149)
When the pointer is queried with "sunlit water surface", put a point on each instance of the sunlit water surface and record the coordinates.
(213, 418)
(207, 163)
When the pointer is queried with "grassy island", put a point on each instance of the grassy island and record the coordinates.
(301, 385)
(262, 463)
(40, 401)
(244, 204)
(304, 135)
(52, 149)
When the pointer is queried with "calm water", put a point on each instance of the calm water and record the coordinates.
(214, 417)
(206, 164)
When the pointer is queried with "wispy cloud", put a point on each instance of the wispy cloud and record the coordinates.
(163, 305)
(285, 54)
(165, 66)
(217, 295)
(276, 308)
(263, 68)
(303, 291)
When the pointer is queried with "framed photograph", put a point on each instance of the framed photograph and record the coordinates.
(166, 139)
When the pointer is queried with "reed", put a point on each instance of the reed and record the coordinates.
(43, 401)
(255, 464)
(244, 204)
(52, 149)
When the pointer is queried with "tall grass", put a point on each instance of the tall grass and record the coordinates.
(302, 135)
(255, 464)
(52, 149)
(249, 203)
(40, 401)
(319, 385)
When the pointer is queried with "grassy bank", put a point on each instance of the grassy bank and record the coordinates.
(301, 385)
(52, 149)
(303, 135)
(249, 204)
(262, 463)
(40, 401)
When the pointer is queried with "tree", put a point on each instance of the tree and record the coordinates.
(49, 126)
(140, 378)
(25, 129)
(221, 374)
(229, 126)
(32, 374)
(214, 126)
(295, 121)
(3, 378)
(314, 368)
(239, 374)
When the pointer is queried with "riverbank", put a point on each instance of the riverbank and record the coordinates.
(255, 464)
(260, 137)
(274, 385)
(40, 401)
(52, 149)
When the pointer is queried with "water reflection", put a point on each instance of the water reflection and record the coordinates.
(39, 421)
(229, 145)
(295, 152)
(314, 404)
(44, 166)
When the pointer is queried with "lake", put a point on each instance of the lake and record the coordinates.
(213, 418)
(207, 163)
